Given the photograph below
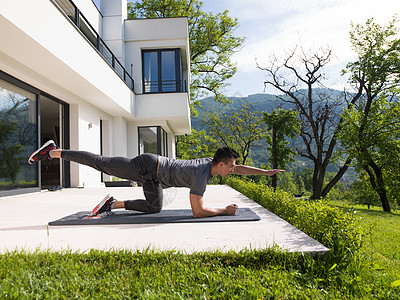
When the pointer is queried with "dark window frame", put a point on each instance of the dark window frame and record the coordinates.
(178, 71)
(162, 140)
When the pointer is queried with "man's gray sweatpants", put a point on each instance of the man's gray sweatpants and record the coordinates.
(142, 168)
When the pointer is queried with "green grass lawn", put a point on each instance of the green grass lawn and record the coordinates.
(126, 275)
(267, 274)
(382, 244)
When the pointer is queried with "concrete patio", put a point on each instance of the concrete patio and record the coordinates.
(24, 220)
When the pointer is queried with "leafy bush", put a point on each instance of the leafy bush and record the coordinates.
(331, 226)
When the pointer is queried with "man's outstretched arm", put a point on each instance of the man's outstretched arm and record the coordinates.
(247, 170)
(199, 211)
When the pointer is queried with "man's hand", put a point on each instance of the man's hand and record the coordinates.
(275, 171)
(231, 209)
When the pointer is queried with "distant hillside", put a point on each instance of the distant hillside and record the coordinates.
(262, 103)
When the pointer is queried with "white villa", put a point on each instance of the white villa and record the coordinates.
(91, 80)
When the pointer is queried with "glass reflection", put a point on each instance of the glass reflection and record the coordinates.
(148, 140)
(153, 139)
(18, 137)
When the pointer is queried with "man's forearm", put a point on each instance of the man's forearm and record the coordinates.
(199, 211)
(209, 212)
(247, 170)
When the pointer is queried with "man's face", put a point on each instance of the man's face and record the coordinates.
(227, 168)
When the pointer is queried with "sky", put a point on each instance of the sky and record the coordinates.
(272, 27)
(275, 26)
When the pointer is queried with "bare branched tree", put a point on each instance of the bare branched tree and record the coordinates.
(299, 77)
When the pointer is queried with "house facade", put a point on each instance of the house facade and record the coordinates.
(91, 80)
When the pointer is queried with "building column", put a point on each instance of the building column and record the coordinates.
(114, 12)
(120, 137)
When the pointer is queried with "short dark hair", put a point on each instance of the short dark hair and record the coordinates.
(224, 154)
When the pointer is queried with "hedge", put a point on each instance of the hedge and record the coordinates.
(331, 226)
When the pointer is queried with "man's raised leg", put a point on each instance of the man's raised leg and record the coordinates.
(121, 167)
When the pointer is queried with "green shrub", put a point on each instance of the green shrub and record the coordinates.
(331, 226)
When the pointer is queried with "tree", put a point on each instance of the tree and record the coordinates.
(239, 129)
(282, 124)
(374, 140)
(197, 144)
(361, 192)
(288, 184)
(392, 180)
(298, 76)
(303, 178)
(212, 42)
(371, 131)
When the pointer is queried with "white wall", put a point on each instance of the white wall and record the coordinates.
(172, 107)
(156, 29)
(114, 13)
(60, 60)
(85, 135)
(120, 137)
(171, 145)
(133, 139)
(74, 143)
(155, 34)
(89, 140)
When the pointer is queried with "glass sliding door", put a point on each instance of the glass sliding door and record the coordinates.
(168, 72)
(54, 125)
(51, 125)
(21, 133)
(18, 138)
(150, 72)
(163, 142)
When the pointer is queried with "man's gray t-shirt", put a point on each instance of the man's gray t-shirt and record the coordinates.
(193, 174)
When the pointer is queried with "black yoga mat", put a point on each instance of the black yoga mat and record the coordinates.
(165, 216)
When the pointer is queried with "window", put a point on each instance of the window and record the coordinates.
(161, 71)
(153, 140)
(29, 118)
(18, 137)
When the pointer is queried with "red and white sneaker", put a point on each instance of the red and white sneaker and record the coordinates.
(43, 152)
(104, 206)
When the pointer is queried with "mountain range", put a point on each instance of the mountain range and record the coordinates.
(261, 103)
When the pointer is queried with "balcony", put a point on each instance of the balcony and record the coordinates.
(71, 11)
(166, 86)
(170, 107)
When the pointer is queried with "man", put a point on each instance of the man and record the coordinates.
(155, 173)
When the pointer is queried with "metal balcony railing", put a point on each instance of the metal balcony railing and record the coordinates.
(166, 86)
(73, 13)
